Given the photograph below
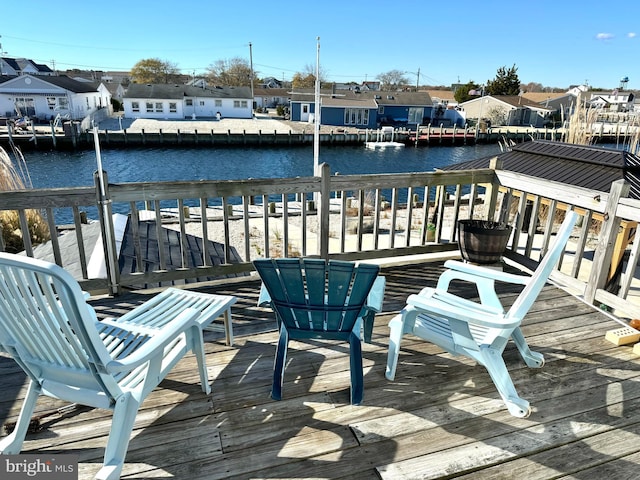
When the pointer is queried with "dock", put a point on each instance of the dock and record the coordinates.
(440, 418)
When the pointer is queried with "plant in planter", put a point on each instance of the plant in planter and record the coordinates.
(483, 241)
(431, 232)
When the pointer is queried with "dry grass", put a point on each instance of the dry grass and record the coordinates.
(14, 176)
(581, 124)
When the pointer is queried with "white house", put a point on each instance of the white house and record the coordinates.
(165, 101)
(44, 97)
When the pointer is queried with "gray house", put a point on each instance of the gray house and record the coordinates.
(507, 110)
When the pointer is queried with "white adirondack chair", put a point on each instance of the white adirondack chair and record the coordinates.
(54, 335)
(478, 330)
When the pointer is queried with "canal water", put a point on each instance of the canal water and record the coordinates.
(71, 169)
(74, 169)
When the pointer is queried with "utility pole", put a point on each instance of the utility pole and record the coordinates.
(2, 54)
(417, 79)
(251, 66)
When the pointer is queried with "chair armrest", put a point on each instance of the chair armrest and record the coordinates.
(444, 304)
(156, 342)
(485, 272)
(376, 295)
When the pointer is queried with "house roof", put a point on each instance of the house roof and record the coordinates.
(178, 92)
(61, 81)
(518, 101)
(271, 92)
(19, 64)
(595, 168)
(443, 95)
(367, 99)
(69, 83)
(541, 97)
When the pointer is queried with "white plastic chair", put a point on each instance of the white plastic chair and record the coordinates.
(478, 330)
(54, 335)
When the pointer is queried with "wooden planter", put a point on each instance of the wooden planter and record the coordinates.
(482, 241)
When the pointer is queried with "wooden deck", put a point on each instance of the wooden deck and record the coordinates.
(440, 418)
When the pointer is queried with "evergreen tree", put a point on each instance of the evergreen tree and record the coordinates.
(505, 83)
(467, 91)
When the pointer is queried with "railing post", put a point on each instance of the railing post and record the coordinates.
(323, 211)
(105, 214)
(606, 241)
(491, 195)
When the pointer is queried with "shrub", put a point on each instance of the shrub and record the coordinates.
(12, 178)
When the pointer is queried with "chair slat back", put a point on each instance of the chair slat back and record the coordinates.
(531, 291)
(311, 294)
(46, 325)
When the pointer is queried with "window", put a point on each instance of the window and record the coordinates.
(135, 106)
(244, 104)
(149, 107)
(27, 106)
(218, 102)
(381, 109)
(63, 103)
(189, 102)
(236, 104)
(173, 107)
(202, 103)
(356, 116)
(415, 115)
(159, 107)
(51, 103)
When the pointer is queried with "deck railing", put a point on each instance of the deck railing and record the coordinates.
(353, 217)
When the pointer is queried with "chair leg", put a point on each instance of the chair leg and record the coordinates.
(198, 350)
(396, 326)
(368, 326)
(532, 359)
(12, 444)
(357, 375)
(124, 417)
(494, 363)
(278, 365)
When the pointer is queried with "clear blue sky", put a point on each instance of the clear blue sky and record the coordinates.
(556, 43)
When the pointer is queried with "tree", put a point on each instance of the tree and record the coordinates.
(467, 91)
(154, 70)
(307, 78)
(393, 79)
(532, 87)
(234, 72)
(303, 80)
(505, 83)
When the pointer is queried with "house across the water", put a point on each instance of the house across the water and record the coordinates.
(169, 101)
(370, 109)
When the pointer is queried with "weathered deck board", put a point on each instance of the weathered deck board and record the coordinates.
(440, 418)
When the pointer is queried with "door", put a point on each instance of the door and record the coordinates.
(304, 112)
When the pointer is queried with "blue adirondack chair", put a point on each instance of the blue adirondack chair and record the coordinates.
(316, 299)
(47, 327)
(478, 330)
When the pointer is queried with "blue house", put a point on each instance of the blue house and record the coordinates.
(363, 109)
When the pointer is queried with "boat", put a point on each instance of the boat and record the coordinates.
(381, 141)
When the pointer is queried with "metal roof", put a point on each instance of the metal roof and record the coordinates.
(595, 168)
